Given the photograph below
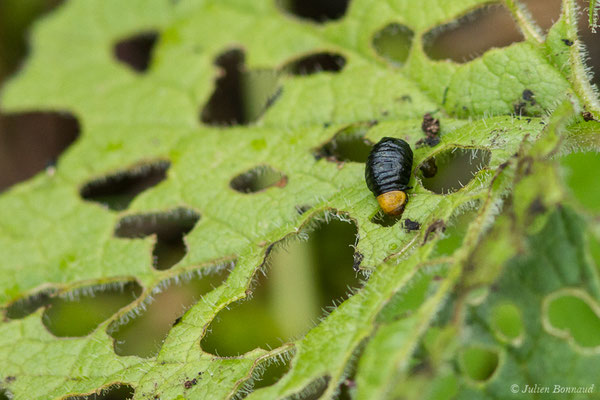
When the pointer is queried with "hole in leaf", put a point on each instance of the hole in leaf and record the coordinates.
(257, 179)
(272, 373)
(406, 301)
(116, 392)
(31, 142)
(455, 169)
(79, 312)
(544, 12)
(393, 43)
(315, 10)
(507, 321)
(479, 363)
(454, 234)
(267, 373)
(303, 278)
(169, 227)
(349, 144)
(136, 51)
(142, 332)
(574, 317)
(428, 168)
(16, 18)
(315, 63)
(240, 96)
(472, 35)
(118, 190)
(385, 220)
(28, 305)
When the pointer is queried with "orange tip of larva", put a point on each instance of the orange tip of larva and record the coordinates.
(392, 203)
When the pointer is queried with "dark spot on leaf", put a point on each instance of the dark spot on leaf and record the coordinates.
(142, 331)
(258, 179)
(190, 383)
(520, 108)
(80, 311)
(136, 51)
(474, 34)
(177, 321)
(456, 167)
(536, 207)
(116, 191)
(393, 43)
(240, 96)
(406, 98)
(10, 379)
(428, 168)
(349, 144)
(315, 63)
(30, 141)
(568, 42)
(436, 227)
(430, 141)
(115, 392)
(315, 10)
(385, 220)
(430, 125)
(358, 258)
(169, 228)
(294, 274)
(587, 116)
(411, 225)
(528, 96)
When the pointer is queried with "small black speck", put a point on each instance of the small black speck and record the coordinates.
(10, 379)
(537, 207)
(520, 108)
(411, 225)
(177, 321)
(358, 257)
(587, 116)
(326, 124)
(430, 141)
(190, 383)
(529, 96)
(567, 42)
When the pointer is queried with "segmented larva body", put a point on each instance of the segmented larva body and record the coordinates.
(387, 173)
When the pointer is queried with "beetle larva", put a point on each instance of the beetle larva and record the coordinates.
(387, 173)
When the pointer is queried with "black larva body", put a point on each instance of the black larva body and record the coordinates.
(389, 166)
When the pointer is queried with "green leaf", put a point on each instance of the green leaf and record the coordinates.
(58, 243)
